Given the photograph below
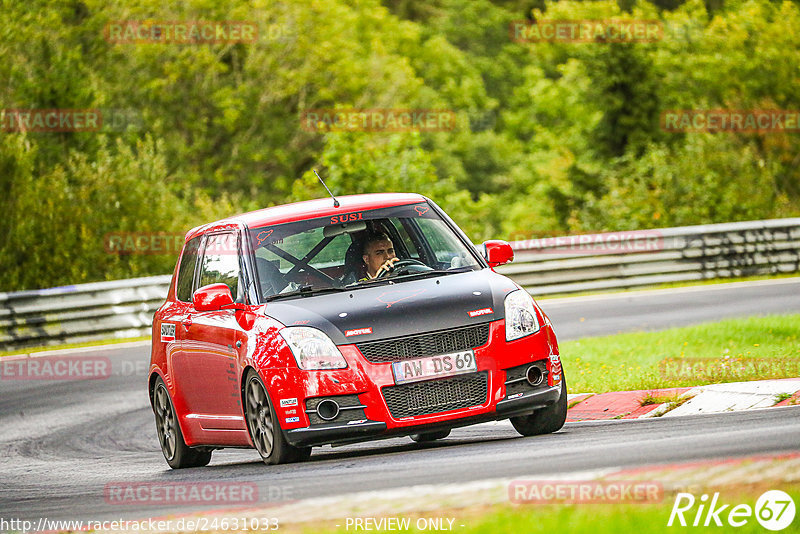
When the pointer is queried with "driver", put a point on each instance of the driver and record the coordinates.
(378, 255)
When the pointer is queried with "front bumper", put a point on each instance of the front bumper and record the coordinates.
(528, 403)
(364, 386)
(342, 434)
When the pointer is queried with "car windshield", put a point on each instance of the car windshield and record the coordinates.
(343, 251)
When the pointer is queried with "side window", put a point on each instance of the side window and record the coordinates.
(221, 262)
(183, 287)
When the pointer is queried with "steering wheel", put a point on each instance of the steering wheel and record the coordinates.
(399, 265)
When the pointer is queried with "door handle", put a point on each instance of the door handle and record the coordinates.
(187, 321)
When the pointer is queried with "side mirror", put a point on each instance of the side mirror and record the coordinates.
(497, 252)
(212, 297)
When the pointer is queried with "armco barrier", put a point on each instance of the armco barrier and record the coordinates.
(618, 260)
(85, 312)
(622, 260)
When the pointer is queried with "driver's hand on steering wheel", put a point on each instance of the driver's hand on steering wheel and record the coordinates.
(387, 267)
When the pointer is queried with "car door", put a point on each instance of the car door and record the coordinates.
(209, 374)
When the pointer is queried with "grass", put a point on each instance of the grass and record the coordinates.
(671, 285)
(592, 518)
(649, 399)
(31, 350)
(732, 350)
(673, 403)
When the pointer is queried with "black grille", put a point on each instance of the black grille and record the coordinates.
(428, 344)
(434, 396)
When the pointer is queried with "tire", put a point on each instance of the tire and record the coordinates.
(177, 454)
(430, 436)
(265, 431)
(546, 420)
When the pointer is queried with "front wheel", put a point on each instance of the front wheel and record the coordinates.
(546, 420)
(262, 422)
(176, 452)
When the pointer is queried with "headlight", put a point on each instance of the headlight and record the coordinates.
(312, 349)
(520, 315)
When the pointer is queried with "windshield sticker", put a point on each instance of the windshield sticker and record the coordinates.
(358, 332)
(288, 402)
(421, 210)
(262, 236)
(350, 217)
(393, 297)
(482, 311)
(167, 332)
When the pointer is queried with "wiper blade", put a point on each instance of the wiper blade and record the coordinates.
(372, 282)
(303, 291)
(435, 271)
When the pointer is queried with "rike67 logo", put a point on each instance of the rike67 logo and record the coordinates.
(774, 510)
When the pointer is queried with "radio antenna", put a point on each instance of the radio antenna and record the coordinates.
(335, 202)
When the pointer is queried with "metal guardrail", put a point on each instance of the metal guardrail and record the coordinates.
(617, 260)
(79, 313)
(622, 260)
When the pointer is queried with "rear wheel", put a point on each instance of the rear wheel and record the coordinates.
(546, 420)
(176, 452)
(430, 436)
(262, 422)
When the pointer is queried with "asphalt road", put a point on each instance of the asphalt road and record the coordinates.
(63, 442)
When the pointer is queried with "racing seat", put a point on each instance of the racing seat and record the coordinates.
(269, 277)
(354, 268)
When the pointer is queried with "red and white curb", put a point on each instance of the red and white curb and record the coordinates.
(714, 398)
(736, 396)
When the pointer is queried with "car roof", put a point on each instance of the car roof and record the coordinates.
(309, 209)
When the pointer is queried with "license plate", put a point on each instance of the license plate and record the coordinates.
(418, 369)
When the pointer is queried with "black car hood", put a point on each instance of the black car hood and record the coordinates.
(399, 309)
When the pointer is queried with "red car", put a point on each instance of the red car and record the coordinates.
(343, 321)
